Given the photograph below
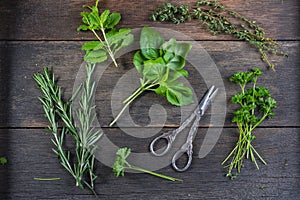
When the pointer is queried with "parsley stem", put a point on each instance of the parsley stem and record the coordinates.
(155, 174)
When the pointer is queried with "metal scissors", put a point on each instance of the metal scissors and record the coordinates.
(187, 147)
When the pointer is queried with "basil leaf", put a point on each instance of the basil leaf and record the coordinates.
(174, 75)
(176, 63)
(178, 94)
(150, 43)
(138, 61)
(154, 69)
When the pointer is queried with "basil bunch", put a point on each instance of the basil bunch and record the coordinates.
(161, 63)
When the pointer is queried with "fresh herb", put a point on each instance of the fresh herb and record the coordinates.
(84, 135)
(113, 39)
(120, 165)
(256, 105)
(3, 161)
(217, 19)
(160, 63)
(46, 179)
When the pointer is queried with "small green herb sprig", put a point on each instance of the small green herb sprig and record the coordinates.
(84, 135)
(120, 165)
(160, 63)
(113, 39)
(217, 19)
(256, 105)
(3, 161)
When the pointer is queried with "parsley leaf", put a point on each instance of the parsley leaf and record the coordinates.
(256, 105)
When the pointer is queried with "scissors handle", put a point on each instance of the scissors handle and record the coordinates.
(187, 149)
(169, 136)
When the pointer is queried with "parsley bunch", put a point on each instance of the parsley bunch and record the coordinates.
(113, 39)
(161, 63)
(256, 105)
(217, 20)
(121, 164)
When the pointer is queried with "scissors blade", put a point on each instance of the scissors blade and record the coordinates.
(207, 99)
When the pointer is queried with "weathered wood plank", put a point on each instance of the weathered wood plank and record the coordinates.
(29, 155)
(58, 20)
(20, 60)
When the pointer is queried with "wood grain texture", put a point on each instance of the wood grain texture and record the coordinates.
(58, 20)
(29, 154)
(38, 33)
(20, 60)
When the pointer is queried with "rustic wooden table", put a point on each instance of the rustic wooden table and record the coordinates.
(38, 33)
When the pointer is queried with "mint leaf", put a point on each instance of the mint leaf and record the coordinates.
(104, 16)
(95, 56)
(93, 45)
(112, 20)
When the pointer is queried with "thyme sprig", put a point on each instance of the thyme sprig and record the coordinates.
(256, 105)
(81, 169)
(218, 19)
(121, 164)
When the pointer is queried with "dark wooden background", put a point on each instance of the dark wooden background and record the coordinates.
(38, 33)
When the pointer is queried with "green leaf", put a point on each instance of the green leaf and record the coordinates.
(154, 69)
(82, 28)
(120, 163)
(3, 160)
(104, 16)
(176, 63)
(94, 21)
(115, 36)
(174, 75)
(128, 40)
(179, 49)
(93, 45)
(177, 93)
(112, 20)
(150, 43)
(95, 56)
(138, 61)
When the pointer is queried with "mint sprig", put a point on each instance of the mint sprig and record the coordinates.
(112, 39)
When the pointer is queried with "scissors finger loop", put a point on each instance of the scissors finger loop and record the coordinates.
(189, 152)
(166, 149)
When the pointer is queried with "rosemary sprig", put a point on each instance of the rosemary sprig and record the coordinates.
(85, 136)
(121, 164)
(217, 19)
